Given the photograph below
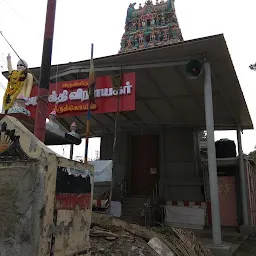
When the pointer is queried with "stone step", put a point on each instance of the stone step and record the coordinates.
(132, 208)
(134, 203)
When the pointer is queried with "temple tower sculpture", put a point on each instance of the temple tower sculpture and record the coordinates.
(150, 25)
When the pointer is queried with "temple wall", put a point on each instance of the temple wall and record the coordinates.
(121, 167)
(181, 178)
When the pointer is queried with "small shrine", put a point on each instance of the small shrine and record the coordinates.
(150, 25)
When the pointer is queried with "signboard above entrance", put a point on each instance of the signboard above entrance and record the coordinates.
(70, 98)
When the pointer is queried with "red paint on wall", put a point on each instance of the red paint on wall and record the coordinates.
(227, 199)
(73, 201)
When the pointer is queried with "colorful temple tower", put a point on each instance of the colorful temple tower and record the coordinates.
(150, 25)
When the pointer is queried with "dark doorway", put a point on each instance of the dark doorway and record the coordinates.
(145, 171)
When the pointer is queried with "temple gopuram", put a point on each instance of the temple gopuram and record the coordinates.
(150, 25)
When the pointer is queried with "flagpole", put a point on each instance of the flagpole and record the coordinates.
(91, 84)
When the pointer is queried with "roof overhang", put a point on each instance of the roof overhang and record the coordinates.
(164, 96)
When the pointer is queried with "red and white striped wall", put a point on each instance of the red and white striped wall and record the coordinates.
(204, 205)
(100, 204)
(251, 184)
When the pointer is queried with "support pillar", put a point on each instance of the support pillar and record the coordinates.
(212, 165)
(242, 179)
(71, 151)
(162, 158)
(45, 71)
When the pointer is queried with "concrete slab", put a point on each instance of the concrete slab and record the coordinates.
(222, 250)
(234, 246)
(230, 237)
(248, 248)
(248, 230)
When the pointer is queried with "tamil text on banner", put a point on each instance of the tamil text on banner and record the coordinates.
(71, 98)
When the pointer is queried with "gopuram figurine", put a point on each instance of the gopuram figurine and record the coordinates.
(130, 10)
(146, 27)
(73, 130)
(52, 119)
(53, 126)
(18, 89)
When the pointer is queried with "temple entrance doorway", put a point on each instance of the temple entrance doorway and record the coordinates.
(145, 163)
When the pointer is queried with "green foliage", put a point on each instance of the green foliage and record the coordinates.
(253, 67)
(252, 155)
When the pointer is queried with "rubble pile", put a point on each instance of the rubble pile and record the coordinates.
(111, 236)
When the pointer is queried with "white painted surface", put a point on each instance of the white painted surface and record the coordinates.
(185, 216)
(116, 209)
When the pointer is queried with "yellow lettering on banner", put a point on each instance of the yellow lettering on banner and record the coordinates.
(75, 84)
(93, 106)
(72, 108)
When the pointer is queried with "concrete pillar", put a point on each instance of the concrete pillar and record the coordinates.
(242, 179)
(162, 164)
(71, 153)
(212, 165)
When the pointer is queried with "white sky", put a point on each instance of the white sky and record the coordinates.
(80, 22)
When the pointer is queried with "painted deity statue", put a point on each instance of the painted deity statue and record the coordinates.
(130, 10)
(22, 65)
(19, 88)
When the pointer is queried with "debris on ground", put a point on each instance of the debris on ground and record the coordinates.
(111, 236)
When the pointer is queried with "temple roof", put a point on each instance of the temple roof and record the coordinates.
(164, 95)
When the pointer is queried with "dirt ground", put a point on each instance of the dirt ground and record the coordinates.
(122, 245)
(110, 236)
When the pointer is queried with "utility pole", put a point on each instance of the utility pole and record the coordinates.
(43, 90)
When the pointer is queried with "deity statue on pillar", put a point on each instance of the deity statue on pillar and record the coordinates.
(19, 87)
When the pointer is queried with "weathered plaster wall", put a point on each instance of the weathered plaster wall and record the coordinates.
(72, 232)
(48, 186)
(21, 201)
(27, 192)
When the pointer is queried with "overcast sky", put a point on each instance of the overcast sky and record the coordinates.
(80, 22)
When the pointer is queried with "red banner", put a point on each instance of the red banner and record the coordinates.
(70, 98)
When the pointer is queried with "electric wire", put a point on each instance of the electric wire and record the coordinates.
(1, 32)
(7, 4)
(20, 16)
(3, 60)
(2, 86)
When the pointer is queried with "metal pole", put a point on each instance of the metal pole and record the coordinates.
(71, 151)
(91, 86)
(212, 166)
(42, 99)
(242, 178)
